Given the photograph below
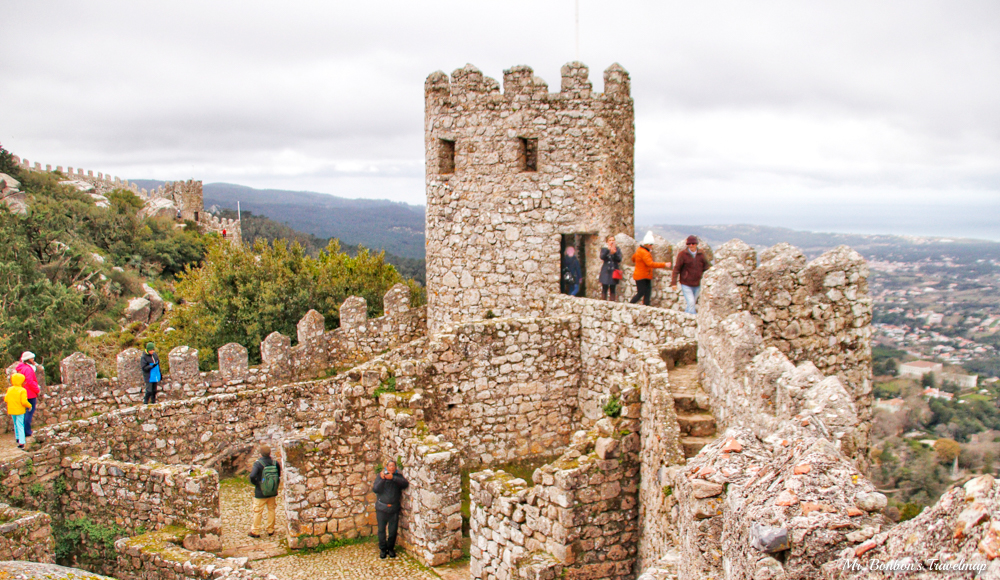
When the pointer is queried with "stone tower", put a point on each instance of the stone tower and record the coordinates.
(512, 176)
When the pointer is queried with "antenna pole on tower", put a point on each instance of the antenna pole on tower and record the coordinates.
(577, 30)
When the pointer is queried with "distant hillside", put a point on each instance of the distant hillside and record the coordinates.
(397, 228)
(873, 247)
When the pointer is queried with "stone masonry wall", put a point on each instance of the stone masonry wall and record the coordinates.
(660, 449)
(754, 385)
(159, 556)
(25, 535)
(579, 520)
(612, 337)
(505, 388)
(509, 173)
(82, 394)
(147, 496)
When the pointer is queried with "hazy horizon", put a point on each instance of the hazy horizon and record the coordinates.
(849, 115)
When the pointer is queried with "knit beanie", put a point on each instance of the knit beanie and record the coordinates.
(150, 346)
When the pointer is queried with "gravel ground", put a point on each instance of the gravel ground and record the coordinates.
(236, 498)
(357, 562)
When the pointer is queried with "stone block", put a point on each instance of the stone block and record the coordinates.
(276, 353)
(233, 362)
(78, 370)
(312, 326)
(397, 300)
(129, 369)
(353, 313)
(183, 364)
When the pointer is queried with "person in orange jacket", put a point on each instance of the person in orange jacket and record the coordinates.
(644, 266)
(17, 403)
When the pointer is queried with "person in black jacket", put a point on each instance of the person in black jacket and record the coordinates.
(260, 499)
(612, 257)
(388, 488)
(150, 363)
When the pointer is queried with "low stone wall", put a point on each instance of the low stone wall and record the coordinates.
(959, 537)
(145, 497)
(199, 430)
(579, 520)
(791, 481)
(612, 336)
(25, 535)
(159, 555)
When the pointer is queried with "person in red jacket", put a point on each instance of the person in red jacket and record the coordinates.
(689, 266)
(644, 266)
(27, 368)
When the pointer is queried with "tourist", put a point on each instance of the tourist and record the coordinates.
(571, 276)
(610, 271)
(388, 488)
(17, 404)
(689, 266)
(150, 372)
(265, 477)
(644, 266)
(27, 368)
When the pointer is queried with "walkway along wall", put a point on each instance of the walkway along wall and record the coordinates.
(358, 339)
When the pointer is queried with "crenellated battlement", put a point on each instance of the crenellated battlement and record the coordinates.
(520, 82)
(185, 197)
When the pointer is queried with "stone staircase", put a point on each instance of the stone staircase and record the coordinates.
(694, 414)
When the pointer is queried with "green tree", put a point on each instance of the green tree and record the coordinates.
(241, 294)
(947, 449)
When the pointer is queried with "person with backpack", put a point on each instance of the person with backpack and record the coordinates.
(150, 363)
(265, 477)
(388, 488)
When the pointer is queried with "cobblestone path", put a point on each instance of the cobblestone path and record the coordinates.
(272, 556)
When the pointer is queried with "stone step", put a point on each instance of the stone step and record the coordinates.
(696, 424)
(692, 445)
(691, 402)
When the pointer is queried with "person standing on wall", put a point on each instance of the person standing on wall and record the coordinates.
(265, 477)
(388, 488)
(17, 404)
(644, 266)
(689, 266)
(611, 273)
(571, 275)
(27, 367)
(150, 363)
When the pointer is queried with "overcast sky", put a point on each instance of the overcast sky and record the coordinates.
(838, 116)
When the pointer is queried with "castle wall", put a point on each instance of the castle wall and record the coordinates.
(579, 519)
(612, 336)
(494, 223)
(26, 535)
(660, 449)
(160, 555)
(82, 394)
(751, 382)
(505, 388)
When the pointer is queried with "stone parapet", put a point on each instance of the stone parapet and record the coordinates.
(580, 516)
(613, 338)
(25, 535)
(160, 555)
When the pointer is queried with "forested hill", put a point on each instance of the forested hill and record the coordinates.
(397, 228)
